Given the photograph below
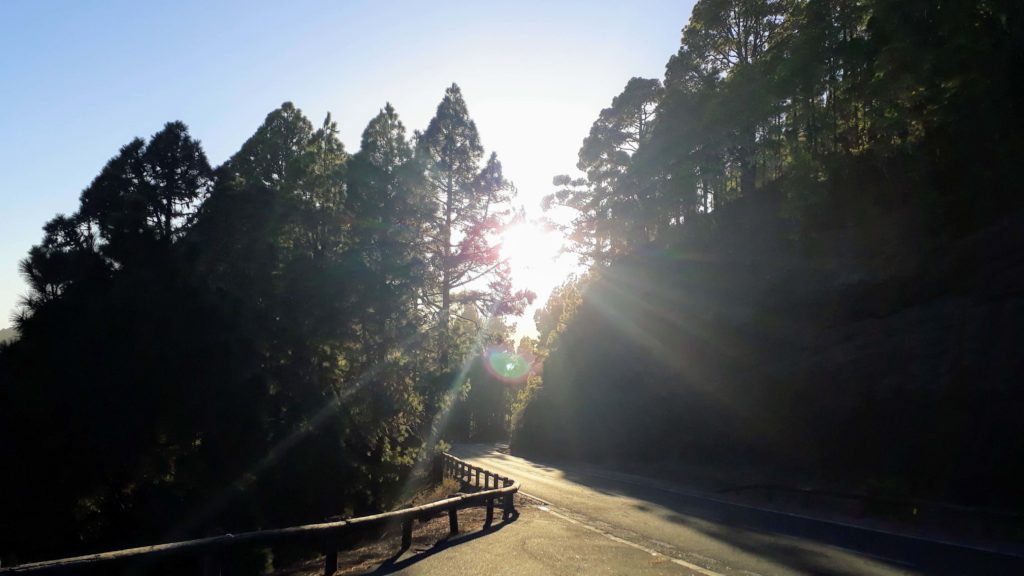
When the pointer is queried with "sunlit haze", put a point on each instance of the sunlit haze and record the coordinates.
(536, 255)
(555, 287)
(79, 80)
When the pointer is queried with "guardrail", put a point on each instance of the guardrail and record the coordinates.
(209, 551)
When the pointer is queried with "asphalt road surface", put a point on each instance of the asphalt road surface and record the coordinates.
(638, 518)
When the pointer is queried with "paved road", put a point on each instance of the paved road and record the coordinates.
(712, 537)
(535, 543)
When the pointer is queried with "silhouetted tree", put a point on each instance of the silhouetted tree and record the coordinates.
(815, 173)
(607, 202)
(472, 203)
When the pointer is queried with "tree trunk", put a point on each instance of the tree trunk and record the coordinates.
(168, 213)
(446, 297)
(748, 162)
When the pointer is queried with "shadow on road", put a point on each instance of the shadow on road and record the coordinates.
(754, 530)
(397, 562)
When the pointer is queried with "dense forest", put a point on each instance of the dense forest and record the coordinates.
(265, 343)
(807, 255)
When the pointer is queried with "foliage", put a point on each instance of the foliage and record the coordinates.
(248, 346)
(472, 208)
(820, 184)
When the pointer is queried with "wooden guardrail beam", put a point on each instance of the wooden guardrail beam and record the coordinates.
(320, 534)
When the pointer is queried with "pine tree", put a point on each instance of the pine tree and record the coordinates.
(608, 203)
(385, 209)
(178, 177)
(472, 206)
(320, 195)
(730, 39)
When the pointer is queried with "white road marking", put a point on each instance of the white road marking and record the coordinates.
(615, 538)
(658, 485)
(532, 497)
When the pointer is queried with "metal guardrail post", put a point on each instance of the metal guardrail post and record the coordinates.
(507, 507)
(510, 506)
(330, 560)
(453, 521)
(406, 533)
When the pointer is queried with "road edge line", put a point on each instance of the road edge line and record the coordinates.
(641, 547)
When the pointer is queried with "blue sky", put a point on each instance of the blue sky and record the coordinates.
(79, 79)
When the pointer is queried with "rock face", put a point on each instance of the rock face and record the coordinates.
(898, 375)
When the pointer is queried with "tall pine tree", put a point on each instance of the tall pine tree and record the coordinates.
(472, 207)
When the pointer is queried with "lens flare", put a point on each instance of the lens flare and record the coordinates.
(506, 365)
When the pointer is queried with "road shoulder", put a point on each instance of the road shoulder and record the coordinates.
(537, 541)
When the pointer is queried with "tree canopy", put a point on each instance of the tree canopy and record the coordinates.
(472, 204)
(796, 236)
(247, 346)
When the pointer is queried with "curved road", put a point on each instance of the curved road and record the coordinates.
(714, 537)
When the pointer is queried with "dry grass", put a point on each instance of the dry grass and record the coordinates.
(447, 488)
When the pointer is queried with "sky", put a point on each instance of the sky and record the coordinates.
(78, 80)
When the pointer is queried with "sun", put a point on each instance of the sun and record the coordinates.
(532, 252)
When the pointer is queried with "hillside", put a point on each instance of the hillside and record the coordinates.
(897, 380)
(807, 257)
